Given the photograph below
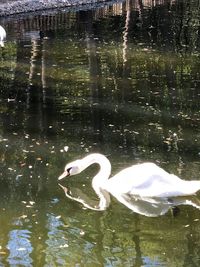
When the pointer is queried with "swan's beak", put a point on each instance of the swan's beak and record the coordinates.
(63, 175)
(64, 188)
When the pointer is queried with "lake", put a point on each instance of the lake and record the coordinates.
(121, 79)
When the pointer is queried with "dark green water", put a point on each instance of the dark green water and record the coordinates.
(122, 80)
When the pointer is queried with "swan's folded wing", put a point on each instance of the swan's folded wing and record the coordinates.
(146, 180)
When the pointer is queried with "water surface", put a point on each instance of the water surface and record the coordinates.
(122, 80)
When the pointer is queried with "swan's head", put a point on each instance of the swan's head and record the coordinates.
(72, 168)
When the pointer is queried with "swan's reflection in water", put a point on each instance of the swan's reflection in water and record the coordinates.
(150, 207)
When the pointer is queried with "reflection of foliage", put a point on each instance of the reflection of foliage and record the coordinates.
(88, 78)
(8, 52)
(7, 65)
(84, 78)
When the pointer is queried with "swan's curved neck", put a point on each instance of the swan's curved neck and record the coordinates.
(102, 161)
(99, 180)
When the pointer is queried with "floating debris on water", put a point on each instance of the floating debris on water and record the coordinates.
(66, 148)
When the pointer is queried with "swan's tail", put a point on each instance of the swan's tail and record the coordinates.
(192, 187)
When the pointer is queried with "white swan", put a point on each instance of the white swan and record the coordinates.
(146, 180)
(2, 36)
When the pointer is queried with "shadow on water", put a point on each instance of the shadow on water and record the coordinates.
(122, 80)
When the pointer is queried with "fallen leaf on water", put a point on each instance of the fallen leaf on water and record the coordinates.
(25, 151)
(23, 164)
(65, 225)
(82, 232)
(64, 246)
(18, 176)
(23, 216)
(66, 148)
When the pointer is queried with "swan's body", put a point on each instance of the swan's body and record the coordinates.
(146, 180)
(2, 36)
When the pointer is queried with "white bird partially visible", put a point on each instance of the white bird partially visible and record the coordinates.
(146, 180)
(2, 36)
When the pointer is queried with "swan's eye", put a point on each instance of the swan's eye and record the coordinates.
(71, 170)
(68, 170)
